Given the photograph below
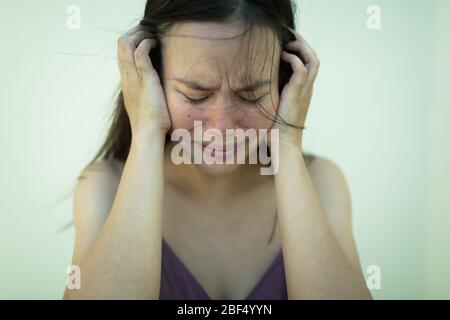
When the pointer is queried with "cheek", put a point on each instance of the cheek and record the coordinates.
(254, 118)
(261, 117)
(180, 114)
(257, 117)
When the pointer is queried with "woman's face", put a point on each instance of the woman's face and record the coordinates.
(198, 64)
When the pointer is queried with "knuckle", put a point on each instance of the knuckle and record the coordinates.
(301, 69)
(122, 41)
(303, 75)
(123, 45)
(315, 64)
(138, 53)
(146, 41)
(297, 60)
(315, 58)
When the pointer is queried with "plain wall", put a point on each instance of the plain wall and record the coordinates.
(380, 111)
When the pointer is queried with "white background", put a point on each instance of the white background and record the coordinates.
(380, 111)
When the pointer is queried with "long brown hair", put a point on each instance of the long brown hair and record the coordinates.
(162, 14)
(277, 15)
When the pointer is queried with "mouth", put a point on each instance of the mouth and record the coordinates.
(224, 150)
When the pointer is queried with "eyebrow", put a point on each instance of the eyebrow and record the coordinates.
(196, 85)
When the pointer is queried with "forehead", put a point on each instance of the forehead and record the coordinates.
(211, 51)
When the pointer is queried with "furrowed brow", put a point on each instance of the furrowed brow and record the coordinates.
(255, 85)
(196, 85)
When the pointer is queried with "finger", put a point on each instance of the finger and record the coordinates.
(142, 59)
(127, 47)
(311, 60)
(140, 27)
(300, 73)
(302, 45)
(125, 58)
(136, 38)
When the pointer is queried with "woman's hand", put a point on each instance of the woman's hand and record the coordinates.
(143, 94)
(296, 95)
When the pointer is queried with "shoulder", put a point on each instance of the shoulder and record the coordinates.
(327, 175)
(100, 169)
(97, 182)
(332, 189)
(92, 200)
(335, 200)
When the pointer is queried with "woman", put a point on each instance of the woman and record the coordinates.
(148, 228)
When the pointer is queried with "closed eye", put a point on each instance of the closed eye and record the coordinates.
(195, 101)
(254, 101)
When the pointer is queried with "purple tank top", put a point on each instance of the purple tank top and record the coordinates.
(178, 283)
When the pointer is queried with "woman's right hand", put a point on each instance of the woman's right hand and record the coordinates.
(143, 94)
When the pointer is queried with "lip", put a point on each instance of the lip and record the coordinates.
(219, 148)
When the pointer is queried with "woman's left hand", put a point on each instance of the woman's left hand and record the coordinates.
(296, 95)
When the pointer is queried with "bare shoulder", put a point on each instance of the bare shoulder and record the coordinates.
(97, 182)
(335, 200)
(332, 188)
(92, 201)
(327, 175)
(101, 169)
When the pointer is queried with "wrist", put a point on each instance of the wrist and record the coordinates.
(148, 136)
(291, 140)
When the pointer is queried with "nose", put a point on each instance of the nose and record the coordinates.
(222, 115)
(219, 121)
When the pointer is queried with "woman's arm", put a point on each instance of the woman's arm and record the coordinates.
(315, 264)
(125, 259)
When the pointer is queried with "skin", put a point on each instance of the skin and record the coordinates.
(217, 63)
(211, 214)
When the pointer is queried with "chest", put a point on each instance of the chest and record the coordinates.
(228, 248)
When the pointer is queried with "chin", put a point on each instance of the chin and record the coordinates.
(218, 169)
